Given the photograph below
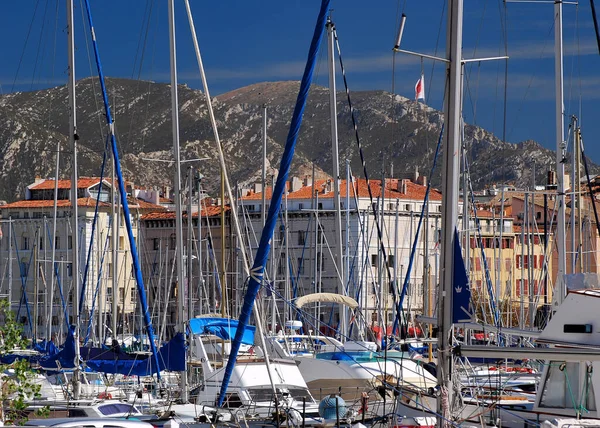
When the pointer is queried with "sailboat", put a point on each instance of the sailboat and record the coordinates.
(568, 383)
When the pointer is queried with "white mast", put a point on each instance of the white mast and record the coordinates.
(116, 216)
(339, 253)
(53, 243)
(450, 173)
(232, 204)
(177, 187)
(560, 150)
(263, 210)
(73, 137)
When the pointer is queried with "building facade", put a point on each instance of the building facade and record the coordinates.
(42, 293)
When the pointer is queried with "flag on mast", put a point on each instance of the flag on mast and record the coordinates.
(420, 89)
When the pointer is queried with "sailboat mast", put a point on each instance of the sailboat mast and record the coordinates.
(53, 243)
(450, 173)
(75, 232)
(339, 254)
(560, 149)
(190, 232)
(177, 186)
(263, 209)
(116, 231)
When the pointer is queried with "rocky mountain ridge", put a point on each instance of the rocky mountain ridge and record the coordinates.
(402, 131)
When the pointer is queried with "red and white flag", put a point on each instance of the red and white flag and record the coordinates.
(420, 89)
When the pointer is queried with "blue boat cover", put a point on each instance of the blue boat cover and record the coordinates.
(171, 356)
(223, 328)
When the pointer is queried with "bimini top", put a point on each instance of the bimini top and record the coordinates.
(223, 328)
(327, 298)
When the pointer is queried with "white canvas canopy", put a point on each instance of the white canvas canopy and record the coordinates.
(326, 298)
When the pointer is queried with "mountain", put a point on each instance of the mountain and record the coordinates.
(32, 123)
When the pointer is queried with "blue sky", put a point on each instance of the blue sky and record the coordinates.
(244, 42)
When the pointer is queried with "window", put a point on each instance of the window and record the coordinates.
(132, 270)
(374, 260)
(406, 207)
(301, 237)
(522, 285)
(172, 241)
(69, 269)
(109, 291)
(526, 262)
(57, 242)
(319, 261)
(156, 243)
(518, 260)
(121, 242)
(23, 268)
(122, 294)
(281, 233)
(41, 243)
(320, 239)
(281, 266)
(24, 242)
(320, 206)
(390, 260)
(70, 242)
(300, 207)
(300, 266)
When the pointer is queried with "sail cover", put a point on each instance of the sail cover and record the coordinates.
(327, 298)
(461, 293)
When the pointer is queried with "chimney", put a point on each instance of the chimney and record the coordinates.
(155, 197)
(551, 178)
(403, 185)
(422, 180)
(257, 188)
(329, 185)
(307, 181)
(166, 192)
(296, 184)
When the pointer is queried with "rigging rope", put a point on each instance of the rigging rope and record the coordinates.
(416, 238)
(262, 253)
(123, 195)
(92, 233)
(391, 280)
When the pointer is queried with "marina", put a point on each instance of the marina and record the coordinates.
(315, 292)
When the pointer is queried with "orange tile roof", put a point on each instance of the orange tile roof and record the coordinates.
(485, 214)
(143, 205)
(82, 183)
(61, 203)
(81, 202)
(209, 211)
(358, 188)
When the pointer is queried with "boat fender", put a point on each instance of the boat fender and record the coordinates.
(364, 403)
(105, 396)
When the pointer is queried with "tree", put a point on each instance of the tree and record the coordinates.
(17, 381)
